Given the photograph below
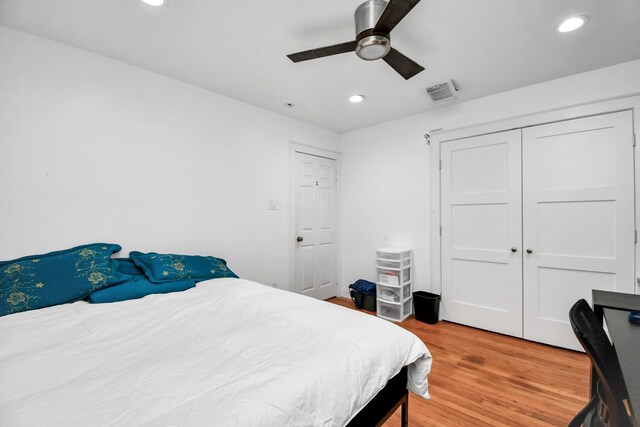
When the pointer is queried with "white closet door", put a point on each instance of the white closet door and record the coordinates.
(578, 219)
(481, 223)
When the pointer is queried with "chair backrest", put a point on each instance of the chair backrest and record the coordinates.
(595, 342)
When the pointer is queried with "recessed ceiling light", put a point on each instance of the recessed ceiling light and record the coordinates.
(572, 24)
(154, 2)
(356, 98)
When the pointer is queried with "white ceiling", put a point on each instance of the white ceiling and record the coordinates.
(238, 47)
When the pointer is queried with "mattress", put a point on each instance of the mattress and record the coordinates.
(229, 352)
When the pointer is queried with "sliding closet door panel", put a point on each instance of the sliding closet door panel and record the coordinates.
(578, 219)
(481, 223)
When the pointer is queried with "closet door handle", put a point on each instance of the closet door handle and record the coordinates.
(514, 249)
(529, 251)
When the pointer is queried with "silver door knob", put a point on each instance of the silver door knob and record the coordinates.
(299, 239)
(529, 251)
(514, 249)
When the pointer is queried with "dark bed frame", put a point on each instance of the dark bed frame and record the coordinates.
(385, 403)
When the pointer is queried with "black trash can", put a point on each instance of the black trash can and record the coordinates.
(426, 307)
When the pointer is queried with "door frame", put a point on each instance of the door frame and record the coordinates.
(296, 147)
(631, 103)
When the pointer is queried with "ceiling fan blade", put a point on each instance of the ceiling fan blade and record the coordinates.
(395, 11)
(403, 65)
(323, 51)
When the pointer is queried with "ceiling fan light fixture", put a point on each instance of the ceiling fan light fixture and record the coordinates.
(373, 47)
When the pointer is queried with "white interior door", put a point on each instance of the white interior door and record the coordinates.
(482, 232)
(578, 219)
(315, 218)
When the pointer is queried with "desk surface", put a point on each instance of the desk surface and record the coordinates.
(617, 300)
(626, 340)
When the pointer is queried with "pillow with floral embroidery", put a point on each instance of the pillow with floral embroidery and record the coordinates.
(60, 277)
(137, 287)
(168, 267)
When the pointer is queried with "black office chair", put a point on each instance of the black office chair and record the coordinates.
(607, 407)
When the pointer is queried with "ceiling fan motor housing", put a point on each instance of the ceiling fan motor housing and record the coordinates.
(373, 46)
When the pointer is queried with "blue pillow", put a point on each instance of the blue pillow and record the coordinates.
(38, 281)
(167, 267)
(137, 288)
(127, 266)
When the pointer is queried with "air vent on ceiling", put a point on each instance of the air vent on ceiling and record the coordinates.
(443, 93)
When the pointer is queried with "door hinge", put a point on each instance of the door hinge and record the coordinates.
(441, 230)
(635, 237)
(336, 176)
(440, 164)
(635, 139)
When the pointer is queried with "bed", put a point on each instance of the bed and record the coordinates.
(228, 352)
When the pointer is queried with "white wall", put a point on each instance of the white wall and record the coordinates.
(385, 178)
(92, 149)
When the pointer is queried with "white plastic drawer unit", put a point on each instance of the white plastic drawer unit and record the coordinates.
(387, 263)
(393, 253)
(394, 300)
(394, 294)
(394, 277)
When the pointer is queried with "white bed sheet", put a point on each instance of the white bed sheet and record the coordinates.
(228, 352)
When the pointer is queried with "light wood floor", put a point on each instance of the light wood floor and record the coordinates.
(482, 378)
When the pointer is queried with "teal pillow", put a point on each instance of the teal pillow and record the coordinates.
(128, 267)
(137, 288)
(168, 267)
(39, 281)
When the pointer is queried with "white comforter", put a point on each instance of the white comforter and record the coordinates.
(228, 352)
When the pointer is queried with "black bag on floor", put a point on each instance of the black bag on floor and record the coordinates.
(363, 294)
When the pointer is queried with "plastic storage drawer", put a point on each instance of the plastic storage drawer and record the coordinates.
(392, 277)
(395, 294)
(393, 253)
(401, 263)
(407, 306)
(406, 291)
(390, 294)
(389, 311)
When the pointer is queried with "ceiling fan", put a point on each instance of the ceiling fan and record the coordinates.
(374, 21)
